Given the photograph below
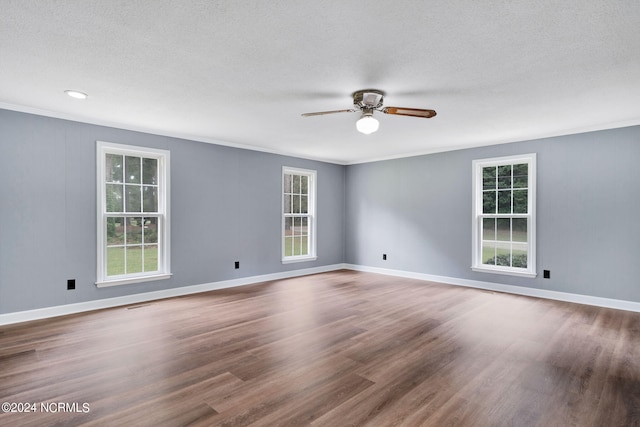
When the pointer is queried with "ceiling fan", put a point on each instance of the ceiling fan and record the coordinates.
(369, 100)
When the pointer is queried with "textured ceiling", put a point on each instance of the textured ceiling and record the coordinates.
(241, 72)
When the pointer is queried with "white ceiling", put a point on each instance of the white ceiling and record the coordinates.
(241, 72)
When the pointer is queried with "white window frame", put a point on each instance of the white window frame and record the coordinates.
(164, 257)
(478, 215)
(311, 215)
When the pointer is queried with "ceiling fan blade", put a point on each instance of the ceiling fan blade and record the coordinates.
(320, 113)
(413, 112)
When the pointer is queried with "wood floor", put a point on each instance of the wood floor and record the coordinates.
(335, 349)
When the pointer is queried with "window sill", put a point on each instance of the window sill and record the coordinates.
(299, 259)
(504, 272)
(130, 280)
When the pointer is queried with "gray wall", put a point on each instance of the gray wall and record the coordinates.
(225, 206)
(418, 211)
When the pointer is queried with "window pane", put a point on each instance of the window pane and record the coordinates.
(288, 246)
(295, 231)
(520, 175)
(287, 203)
(519, 229)
(287, 183)
(304, 184)
(134, 231)
(288, 225)
(519, 255)
(150, 257)
(504, 201)
(489, 202)
(520, 204)
(132, 170)
(150, 199)
(114, 197)
(488, 253)
(295, 228)
(150, 230)
(488, 229)
(504, 176)
(132, 202)
(304, 204)
(302, 248)
(115, 231)
(503, 254)
(150, 171)
(296, 184)
(113, 168)
(115, 261)
(304, 236)
(134, 259)
(489, 178)
(288, 239)
(296, 203)
(504, 229)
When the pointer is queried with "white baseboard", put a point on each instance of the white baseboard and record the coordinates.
(61, 310)
(518, 290)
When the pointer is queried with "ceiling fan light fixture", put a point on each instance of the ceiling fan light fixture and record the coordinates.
(367, 124)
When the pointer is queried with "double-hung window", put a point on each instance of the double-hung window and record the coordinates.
(133, 214)
(298, 218)
(504, 196)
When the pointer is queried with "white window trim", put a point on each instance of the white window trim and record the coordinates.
(312, 174)
(164, 244)
(477, 265)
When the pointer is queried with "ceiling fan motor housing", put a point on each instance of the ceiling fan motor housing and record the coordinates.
(368, 99)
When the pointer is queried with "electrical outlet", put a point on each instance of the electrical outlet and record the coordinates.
(71, 284)
(237, 264)
(384, 257)
(546, 274)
